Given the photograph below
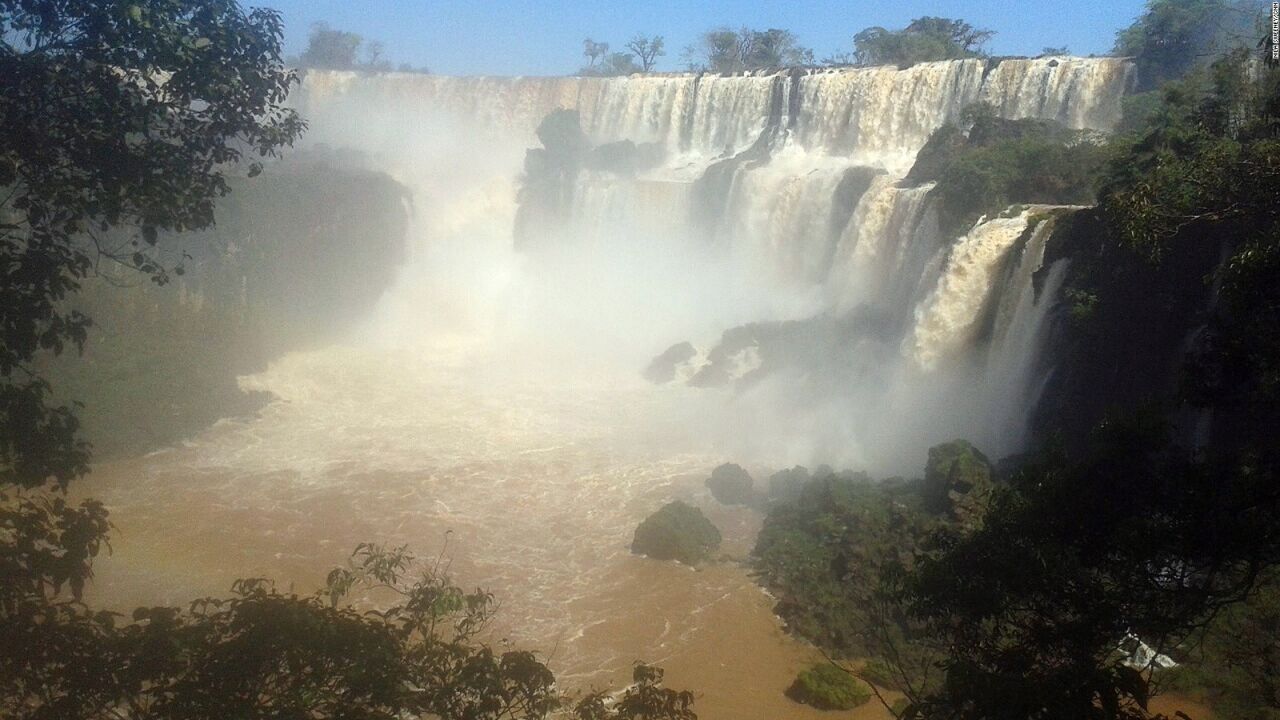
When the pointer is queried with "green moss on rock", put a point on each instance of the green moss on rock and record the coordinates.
(731, 485)
(827, 687)
(1002, 162)
(677, 531)
(956, 480)
(786, 485)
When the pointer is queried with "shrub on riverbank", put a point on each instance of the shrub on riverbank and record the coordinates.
(827, 687)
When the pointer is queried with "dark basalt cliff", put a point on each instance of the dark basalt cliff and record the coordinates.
(1123, 330)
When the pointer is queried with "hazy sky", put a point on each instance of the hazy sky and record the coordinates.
(523, 37)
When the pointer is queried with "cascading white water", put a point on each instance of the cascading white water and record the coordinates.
(882, 116)
(703, 115)
(949, 318)
(1077, 92)
(496, 395)
(1011, 369)
(794, 234)
(777, 219)
(885, 248)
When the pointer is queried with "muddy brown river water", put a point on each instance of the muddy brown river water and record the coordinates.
(531, 486)
(537, 486)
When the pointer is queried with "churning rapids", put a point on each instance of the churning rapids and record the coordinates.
(496, 395)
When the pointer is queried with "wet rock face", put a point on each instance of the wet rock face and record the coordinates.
(663, 367)
(546, 189)
(677, 531)
(815, 347)
(731, 485)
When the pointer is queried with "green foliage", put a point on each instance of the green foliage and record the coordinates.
(1174, 36)
(775, 48)
(731, 485)
(329, 49)
(829, 554)
(645, 50)
(786, 485)
(1204, 156)
(1138, 110)
(116, 121)
(1235, 665)
(1074, 554)
(1002, 162)
(1238, 663)
(48, 543)
(644, 699)
(1137, 534)
(724, 50)
(613, 65)
(277, 272)
(828, 687)
(878, 671)
(926, 39)
(677, 531)
(957, 481)
(262, 653)
(125, 118)
(1083, 304)
(1197, 188)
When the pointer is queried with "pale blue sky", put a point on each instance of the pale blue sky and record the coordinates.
(527, 37)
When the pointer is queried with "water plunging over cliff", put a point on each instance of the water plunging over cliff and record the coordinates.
(777, 196)
(496, 394)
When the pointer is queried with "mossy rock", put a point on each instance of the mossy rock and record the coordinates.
(957, 480)
(731, 485)
(787, 485)
(827, 687)
(677, 531)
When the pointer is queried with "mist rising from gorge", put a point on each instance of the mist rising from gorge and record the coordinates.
(916, 336)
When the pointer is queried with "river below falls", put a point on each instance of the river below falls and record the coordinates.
(530, 482)
(531, 486)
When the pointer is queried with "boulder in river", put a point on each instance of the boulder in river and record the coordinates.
(677, 531)
(731, 485)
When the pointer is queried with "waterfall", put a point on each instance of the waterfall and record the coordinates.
(883, 116)
(1077, 92)
(949, 317)
(706, 115)
(884, 249)
(776, 196)
(779, 218)
(875, 116)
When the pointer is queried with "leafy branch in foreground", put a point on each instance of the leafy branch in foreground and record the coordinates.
(262, 653)
(117, 121)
